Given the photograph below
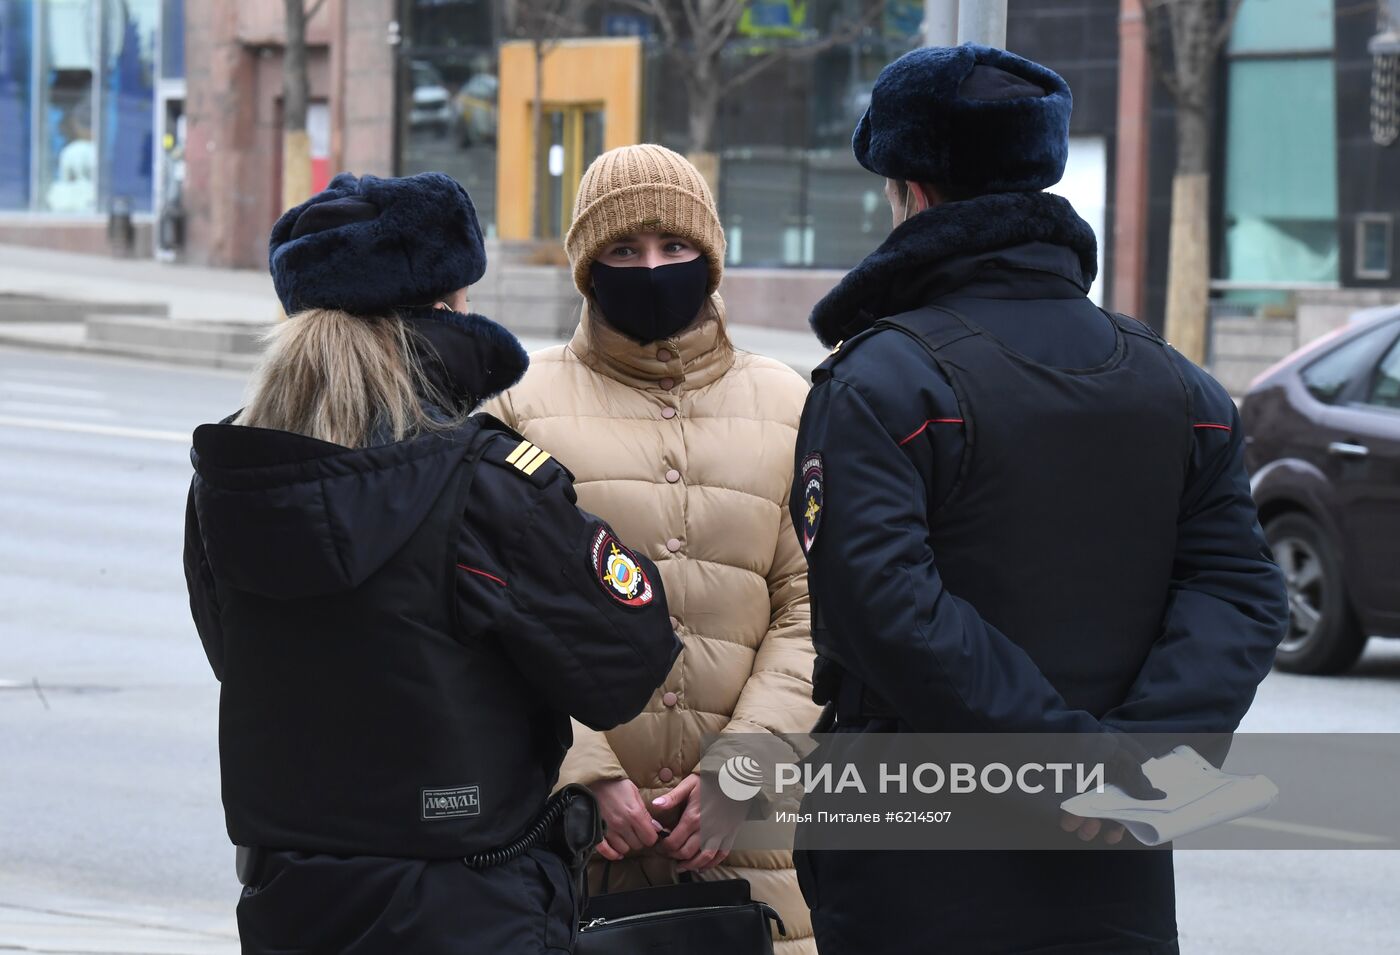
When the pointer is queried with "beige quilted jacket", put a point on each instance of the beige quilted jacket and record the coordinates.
(685, 446)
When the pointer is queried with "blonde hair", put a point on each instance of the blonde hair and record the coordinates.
(342, 378)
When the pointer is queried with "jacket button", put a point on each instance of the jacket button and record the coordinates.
(665, 775)
(673, 475)
(669, 699)
(673, 545)
(668, 413)
(663, 355)
(667, 384)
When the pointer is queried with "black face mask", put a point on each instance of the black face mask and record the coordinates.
(649, 304)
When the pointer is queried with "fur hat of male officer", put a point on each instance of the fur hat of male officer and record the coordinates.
(368, 245)
(969, 120)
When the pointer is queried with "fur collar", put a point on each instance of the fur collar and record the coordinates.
(942, 236)
(466, 357)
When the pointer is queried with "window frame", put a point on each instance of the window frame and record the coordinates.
(1364, 219)
(1382, 337)
(1363, 400)
(1232, 55)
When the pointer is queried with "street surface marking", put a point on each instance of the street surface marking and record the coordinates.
(44, 408)
(53, 391)
(1320, 832)
(83, 427)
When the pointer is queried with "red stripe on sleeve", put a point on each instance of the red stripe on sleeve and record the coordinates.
(925, 425)
(481, 573)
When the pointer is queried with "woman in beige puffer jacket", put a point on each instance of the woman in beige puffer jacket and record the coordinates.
(685, 445)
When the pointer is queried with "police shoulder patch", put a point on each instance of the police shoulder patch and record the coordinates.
(813, 498)
(618, 571)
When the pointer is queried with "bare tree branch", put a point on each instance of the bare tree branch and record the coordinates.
(315, 8)
(709, 27)
(807, 50)
(1153, 27)
(1227, 25)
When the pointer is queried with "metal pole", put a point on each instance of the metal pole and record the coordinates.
(982, 21)
(940, 22)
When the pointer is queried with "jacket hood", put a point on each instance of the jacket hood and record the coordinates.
(942, 248)
(284, 515)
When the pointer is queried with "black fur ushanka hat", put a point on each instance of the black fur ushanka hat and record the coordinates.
(368, 246)
(969, 120)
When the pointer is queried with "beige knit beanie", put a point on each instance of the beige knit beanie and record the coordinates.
(644, 188)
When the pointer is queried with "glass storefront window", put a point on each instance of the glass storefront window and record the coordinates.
(77, 103)
(66, 152)
(452, 122)
(128, 102)
(761, 206)
(791, 193)
(16, 31)
(450, 100)
(1281, 172)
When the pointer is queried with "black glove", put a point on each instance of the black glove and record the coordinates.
(1124, 768)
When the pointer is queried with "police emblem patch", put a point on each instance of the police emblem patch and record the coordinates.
(618, 571)
(812, 499)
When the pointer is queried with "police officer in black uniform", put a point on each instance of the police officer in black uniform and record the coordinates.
(1021, 514)
(404, 621)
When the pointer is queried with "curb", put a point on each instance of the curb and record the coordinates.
(169, 356)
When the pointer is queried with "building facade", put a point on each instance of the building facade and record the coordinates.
(233, 191)
(156, 105)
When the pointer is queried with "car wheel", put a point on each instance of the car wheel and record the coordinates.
(1323, 633)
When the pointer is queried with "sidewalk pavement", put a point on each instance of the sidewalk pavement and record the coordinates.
(189, 292)
(225, 297)
(41, 922)
(67, 933)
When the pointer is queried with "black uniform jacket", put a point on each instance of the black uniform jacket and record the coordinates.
(893, 442)
(891, 460)
(402, 632)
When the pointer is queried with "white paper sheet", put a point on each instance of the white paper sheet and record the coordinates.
(1198, 796)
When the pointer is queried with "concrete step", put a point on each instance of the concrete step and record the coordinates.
(235, 345)
(27, 308)
(225, 338)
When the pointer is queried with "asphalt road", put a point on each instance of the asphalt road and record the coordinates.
(109, 799)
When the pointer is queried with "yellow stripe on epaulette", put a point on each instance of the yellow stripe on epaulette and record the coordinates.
(527, 458)
(534, 465)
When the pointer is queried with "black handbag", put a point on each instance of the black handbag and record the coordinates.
(691, 918)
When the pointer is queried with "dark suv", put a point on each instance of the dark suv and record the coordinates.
(1323, 448)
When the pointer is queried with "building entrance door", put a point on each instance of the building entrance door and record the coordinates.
(590, 95)
(570, 137)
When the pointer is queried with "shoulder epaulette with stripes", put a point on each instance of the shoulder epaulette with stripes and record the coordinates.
(521, 456)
